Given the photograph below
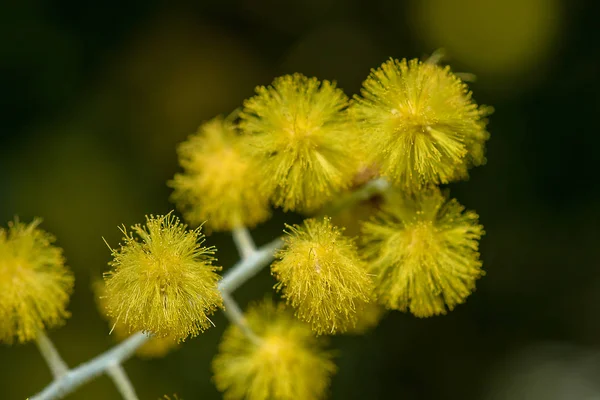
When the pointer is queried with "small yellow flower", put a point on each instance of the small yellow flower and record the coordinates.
(34, 283)
(420, 124)
(321, 275)
(423, 251)
(286, 363)
(303, 140)
(165, 283)
(154, 347)
(220, 181)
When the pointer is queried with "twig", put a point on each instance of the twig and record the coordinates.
(248, 267)
(122, 382)
(92, 368)
(53, 359)
(243, 241)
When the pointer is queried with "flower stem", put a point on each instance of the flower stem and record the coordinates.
(122, 382)
(90, 369)
(243, 241)
(53, 359)
(233, 312)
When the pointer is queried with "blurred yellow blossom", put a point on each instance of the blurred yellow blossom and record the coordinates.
(286, 362)
(219, 180)
(34, 283)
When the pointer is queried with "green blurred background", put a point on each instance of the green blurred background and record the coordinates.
(95, 97)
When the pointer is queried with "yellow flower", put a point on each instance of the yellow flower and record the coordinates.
(420, 124)
(165, 283)
(423, 251)
(154, 347)
(303, 141)
(220, 181)
(34, 283)
(286, 362)
(321, 275)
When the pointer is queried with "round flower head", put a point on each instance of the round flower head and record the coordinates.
(321, 275)
(34, 283)
(220, 179)
(301, 136)
(423, 251)
(286, 362)
(155, 347)
(420, 124)
(164, 283)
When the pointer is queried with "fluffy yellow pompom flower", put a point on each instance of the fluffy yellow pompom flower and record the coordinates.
(302, 139)
(155, 347)
(423, 251)
(164, 283)
(321, 275)
(220, 181)
(286, 362)
(34, 283)
(420, 124)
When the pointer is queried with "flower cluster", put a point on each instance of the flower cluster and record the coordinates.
(302, 145)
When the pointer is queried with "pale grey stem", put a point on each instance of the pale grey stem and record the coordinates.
(53, 359)
(250, 266)
(122, 382)
(243, 241)
(233, 312)
(92, 368)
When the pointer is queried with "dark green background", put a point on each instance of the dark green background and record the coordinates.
(95, 97)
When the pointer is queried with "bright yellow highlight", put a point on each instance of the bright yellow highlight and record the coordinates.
(220, 182)
(420, 124)
(154, 347)
(163, 281)
(34, 283)
(424, 253)
(302, 139)
(286, 362)
(321, 275)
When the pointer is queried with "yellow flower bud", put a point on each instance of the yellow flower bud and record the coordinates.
(286, 362)
(321, 275)
(303, 140)
(220, 179)
(423, 252)
(420, 124)
(34, 283)
(163, 281)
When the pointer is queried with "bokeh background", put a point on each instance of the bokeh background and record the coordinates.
(96, 96)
